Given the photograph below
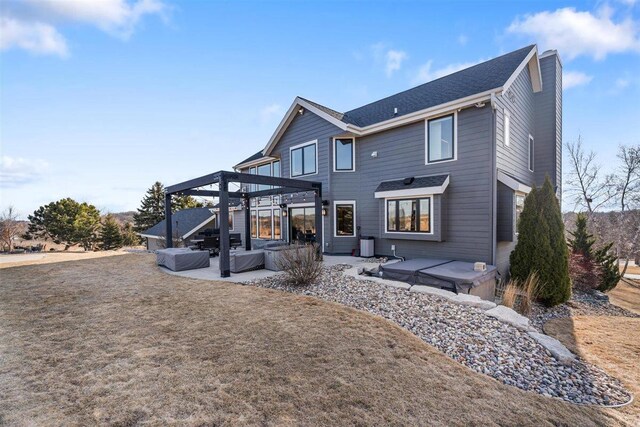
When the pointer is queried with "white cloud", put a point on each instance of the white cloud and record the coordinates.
(268, 113)
(462, 39)
(34, 37)
(574, 78)
(622, 83)
(391, 58)
(575, 33)
(17, 171)
(394, 60)
(426, 73)
(32, 24)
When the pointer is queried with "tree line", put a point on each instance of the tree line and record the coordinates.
(72, 223)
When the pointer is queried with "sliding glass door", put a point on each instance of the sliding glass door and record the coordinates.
(302, 224)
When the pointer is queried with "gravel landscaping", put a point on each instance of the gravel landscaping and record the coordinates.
(467, 335)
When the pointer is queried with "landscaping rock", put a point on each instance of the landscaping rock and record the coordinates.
(555, 347)
(509, 316)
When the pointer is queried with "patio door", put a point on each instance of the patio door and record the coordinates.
(302, 225)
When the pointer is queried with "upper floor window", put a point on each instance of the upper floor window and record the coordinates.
(441, 139)
(507, 128)
(344, 155)
(409, 215)
(531, 153)
(304, 159)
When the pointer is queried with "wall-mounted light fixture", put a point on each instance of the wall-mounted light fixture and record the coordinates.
(374, 154)
(301, 111)
(325, 211)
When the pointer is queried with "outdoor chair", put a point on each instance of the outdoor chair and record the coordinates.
(212, 244)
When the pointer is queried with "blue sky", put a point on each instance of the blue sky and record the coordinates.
(99, 100)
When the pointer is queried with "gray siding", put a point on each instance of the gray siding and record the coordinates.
(548, 123)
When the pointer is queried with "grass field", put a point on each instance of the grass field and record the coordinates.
(116, 341)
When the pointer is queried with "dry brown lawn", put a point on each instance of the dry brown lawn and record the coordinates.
(626, 296)
(8, 261)
(116, 341)
(611, 342)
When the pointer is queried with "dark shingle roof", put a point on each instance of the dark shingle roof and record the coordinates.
(256, 156)
(183, 221)
(419, 182)
(470, 81)
(334, 113)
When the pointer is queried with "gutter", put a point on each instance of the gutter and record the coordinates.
(494, 181)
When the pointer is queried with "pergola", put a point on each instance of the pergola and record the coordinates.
(222, 179)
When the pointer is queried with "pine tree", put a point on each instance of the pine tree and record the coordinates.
(110, 236)
(610, 272)
(582, 242)
(541, 246)
(129, 236)
(151, 210)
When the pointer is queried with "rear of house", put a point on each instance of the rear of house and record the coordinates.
(438, 171)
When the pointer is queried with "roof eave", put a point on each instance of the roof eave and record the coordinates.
(255, 162)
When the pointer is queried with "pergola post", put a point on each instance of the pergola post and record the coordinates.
(168, 221)
(225, 269)
(247, 222)
(319, 219)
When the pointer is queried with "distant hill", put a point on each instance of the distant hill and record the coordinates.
(124, 217)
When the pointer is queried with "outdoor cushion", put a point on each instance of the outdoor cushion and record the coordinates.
(180, 259)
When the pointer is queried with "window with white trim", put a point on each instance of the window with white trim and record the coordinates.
(519, 206)
(303, 159)
(441, 139)
(531, 153)
(409, 215)
(254, 224)
(507, 128)
(265, 224)
(345, 219)
(344, 155)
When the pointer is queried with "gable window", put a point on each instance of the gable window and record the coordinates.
(531, 153)
(519, 207)
(507, 128)
(409, 215)
(344, 155)
(441, 137)
(304, 159)
(345, 219)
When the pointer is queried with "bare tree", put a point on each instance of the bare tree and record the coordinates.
(586, 185)
(9, 228)
(629, 176)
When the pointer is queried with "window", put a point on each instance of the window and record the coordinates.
(409, 215)
(254, 225)
(441, 139)
(230, 220)
(264, 224)
(276, 168)
(303, 160)
(507, 128)
(264, 170)
(531, 152)
(277, 233)
(519, 206)
(344, 153)
(345, 219)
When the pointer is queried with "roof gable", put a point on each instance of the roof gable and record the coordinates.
(184, 221)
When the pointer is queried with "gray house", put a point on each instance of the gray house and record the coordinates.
(437, 171)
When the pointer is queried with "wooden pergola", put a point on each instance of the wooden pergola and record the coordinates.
(222, 179)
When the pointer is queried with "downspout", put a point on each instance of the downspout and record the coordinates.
(494, 180)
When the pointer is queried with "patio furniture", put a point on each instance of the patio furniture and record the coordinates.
(180, 259)
(246, 260)
(212, 244)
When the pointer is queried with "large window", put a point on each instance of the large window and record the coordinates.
(264, 224)
(409, 215)
(531, 153)
(343, 157)
(254, 224)
(264, 170)
(303, 159)
(345, 219)
(441, 139)
(277, 228)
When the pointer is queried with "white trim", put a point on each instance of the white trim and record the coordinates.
(353, 153)
(335, 217)
(455, 139)
(416, 233)
(295, 147)
(431, 112)
(551, 52)
(513, 183)
(149, 236)
(289, 116)
(257, 162)
(536, 77)
(412, 192)
(506, 128)
(531, 147)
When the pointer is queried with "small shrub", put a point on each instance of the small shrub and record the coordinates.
(510, 294)
(585, 273)
(521, 295)
(301, 264)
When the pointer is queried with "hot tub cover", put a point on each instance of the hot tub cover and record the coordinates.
(458, 276)
(406, 271)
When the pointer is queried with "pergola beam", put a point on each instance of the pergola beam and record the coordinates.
(212, 178)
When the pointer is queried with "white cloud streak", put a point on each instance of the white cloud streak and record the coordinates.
(18, 171)
(394, 60)
(580, 33)
(426, 73)
(574, 78)
(32, 25)
(268, 113)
